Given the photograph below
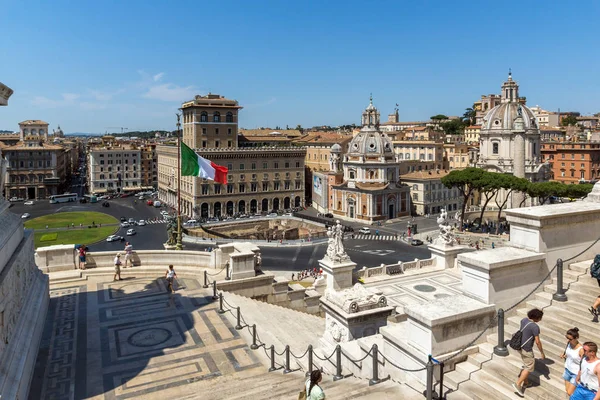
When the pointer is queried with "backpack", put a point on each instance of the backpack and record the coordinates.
(595, 267)
(517, 338)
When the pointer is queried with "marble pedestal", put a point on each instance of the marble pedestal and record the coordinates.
(445, 255)
(339, 275)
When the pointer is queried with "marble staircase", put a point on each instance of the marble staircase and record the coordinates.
(487, 376)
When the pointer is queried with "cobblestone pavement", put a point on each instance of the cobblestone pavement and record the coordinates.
(131, 339)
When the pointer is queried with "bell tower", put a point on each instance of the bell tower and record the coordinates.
(510, 90)
(370, 116)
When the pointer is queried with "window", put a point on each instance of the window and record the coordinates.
(416, 196)
(582, 174)
(253, 187)
(562, 173)
(298, 174)
(229, 131)
(217, 189)
(572, 156)
(286, 185)
(242, 187)
(298, 185)
(204, 117)
(572, 174)
(265, 165)
(265, 186)
(253, 165)
(562, 164)
(495, 148)
(229, 188)
(572, 165)
(216, 131)
(229, 143)
(217, 143)
(204, 143)
(583, 156)
(242, 177)
(217, 117)
(229, 117)
(230, 166)
(275, 165)
(204, 189)
(101, 162)
(275, 185)
(204, 131)
(242, 167)
(582, 165)
(287, 164)
(297, 164)
(265, 177)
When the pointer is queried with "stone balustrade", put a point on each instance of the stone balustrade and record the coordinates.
(395, 269)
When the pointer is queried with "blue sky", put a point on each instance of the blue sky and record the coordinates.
(89, 65)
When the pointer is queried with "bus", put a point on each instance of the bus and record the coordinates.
(63, 198)
(91, 198)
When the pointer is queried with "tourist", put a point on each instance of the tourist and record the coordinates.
(572, 356)
(292, 276)
(588, 378)
(530, 334)
(595, 309)
(117, 263)
(82, 251)
(128, 254)
(493, 245)
(313, 390)
(170, 275)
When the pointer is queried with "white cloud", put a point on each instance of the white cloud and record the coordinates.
(170, 92)
(158, 76)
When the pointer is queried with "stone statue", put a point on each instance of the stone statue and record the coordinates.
(171, 231)
(335, 248)
(446, 237)
(355, 299)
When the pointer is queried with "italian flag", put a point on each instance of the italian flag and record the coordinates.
(194, 165)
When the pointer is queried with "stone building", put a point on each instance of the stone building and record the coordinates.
(370, 188)
(510, 140)
(260, 179)
(429, 195)
(33, 128)
(114, 167)
(573, 162)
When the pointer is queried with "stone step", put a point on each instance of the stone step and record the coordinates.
(470, 390)
(581, 266)
(580, 318)
(577, 307)
(576, 294)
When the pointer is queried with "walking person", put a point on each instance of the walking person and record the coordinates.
(595, 309)
(128, 254)
(170, 275)
(82, 253)
(572, 356)
(117, 263)
(313, 390)
(530, 333)
(588, 378)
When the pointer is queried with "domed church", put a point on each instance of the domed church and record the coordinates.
(509, 141)
(370, 187)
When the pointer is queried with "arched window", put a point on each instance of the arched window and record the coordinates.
(204, 116)
(229, 117)
(217, 117)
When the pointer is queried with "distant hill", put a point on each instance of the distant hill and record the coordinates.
(6, 131)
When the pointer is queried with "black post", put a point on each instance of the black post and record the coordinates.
(441, 396)
(215, 296)
(500, 349)
(205, 286)
(429, 387)
(239, 317)
(560, 291)
(221, 311)
(310, 359)
(287, 369)
(227, 277)
(375, 379)
(253, 346)
(338, 363)
(272, 359)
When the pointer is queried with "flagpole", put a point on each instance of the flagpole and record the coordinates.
(178, 245)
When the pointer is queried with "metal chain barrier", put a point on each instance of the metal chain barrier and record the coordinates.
(218, 272)
(326, 358)
(299, 357)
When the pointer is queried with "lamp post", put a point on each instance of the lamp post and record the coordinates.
(178, 244)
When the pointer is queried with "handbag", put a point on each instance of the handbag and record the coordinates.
(302, 395)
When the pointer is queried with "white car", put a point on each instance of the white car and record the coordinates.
(124, 224)
(141, 222)
(113, 238)
(26, 215)
(190, 222)
(29, 203)
(365, 231)
(130, 232)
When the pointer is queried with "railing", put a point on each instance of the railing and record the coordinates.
(394, 269)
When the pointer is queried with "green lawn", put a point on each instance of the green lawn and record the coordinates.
(76, 236)
(64, 219)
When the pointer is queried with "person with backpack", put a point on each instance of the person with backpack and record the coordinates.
(572, 356)
(595, 273)
(523, 340)
(313, 390)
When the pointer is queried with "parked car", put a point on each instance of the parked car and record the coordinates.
(82, 200)
(149, 202)
(272, 215)
(364, 230)
(16, 199)
(124, 224)
(416, 242)
(190, 222)
(157, 204)
(29, 203)
(131, 221)
(114, 238)
(26, 215)
(141, 222)
(130, 232)
(328, 215)
(123, 219)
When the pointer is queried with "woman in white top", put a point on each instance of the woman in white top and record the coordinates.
(572, 356)
(313, 390)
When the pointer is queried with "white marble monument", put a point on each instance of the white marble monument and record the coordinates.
(337, 264)
(445, 249)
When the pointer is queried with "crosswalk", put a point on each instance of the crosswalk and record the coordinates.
(373, 237)
(158, 221)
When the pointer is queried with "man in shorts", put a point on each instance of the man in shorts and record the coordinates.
(530, 334)
(170, 275)
(117, 263)
(128, 254)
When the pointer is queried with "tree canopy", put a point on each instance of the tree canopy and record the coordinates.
(569, 120)
(454, 127)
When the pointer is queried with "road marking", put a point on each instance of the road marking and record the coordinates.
(296, 255)
(379, 252)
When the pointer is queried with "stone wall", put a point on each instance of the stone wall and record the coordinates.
(289, 228)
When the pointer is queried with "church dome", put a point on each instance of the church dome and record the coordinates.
(502, 117)
(370, 141)
(336, 148)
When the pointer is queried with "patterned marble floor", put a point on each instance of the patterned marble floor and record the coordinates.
(417, 289)
(133, 340)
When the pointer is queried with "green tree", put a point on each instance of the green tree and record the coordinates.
(510, 184)
(488, 188)
(578, 191)
(466, 181)
(544, 190)
(569, 120)
(453, 127)
(439, 117)
(469, 117)
(300, 128)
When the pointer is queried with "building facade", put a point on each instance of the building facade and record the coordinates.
(260, 178)
(573, 162)
(457, 155)
(370, 188)
(429, 195)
